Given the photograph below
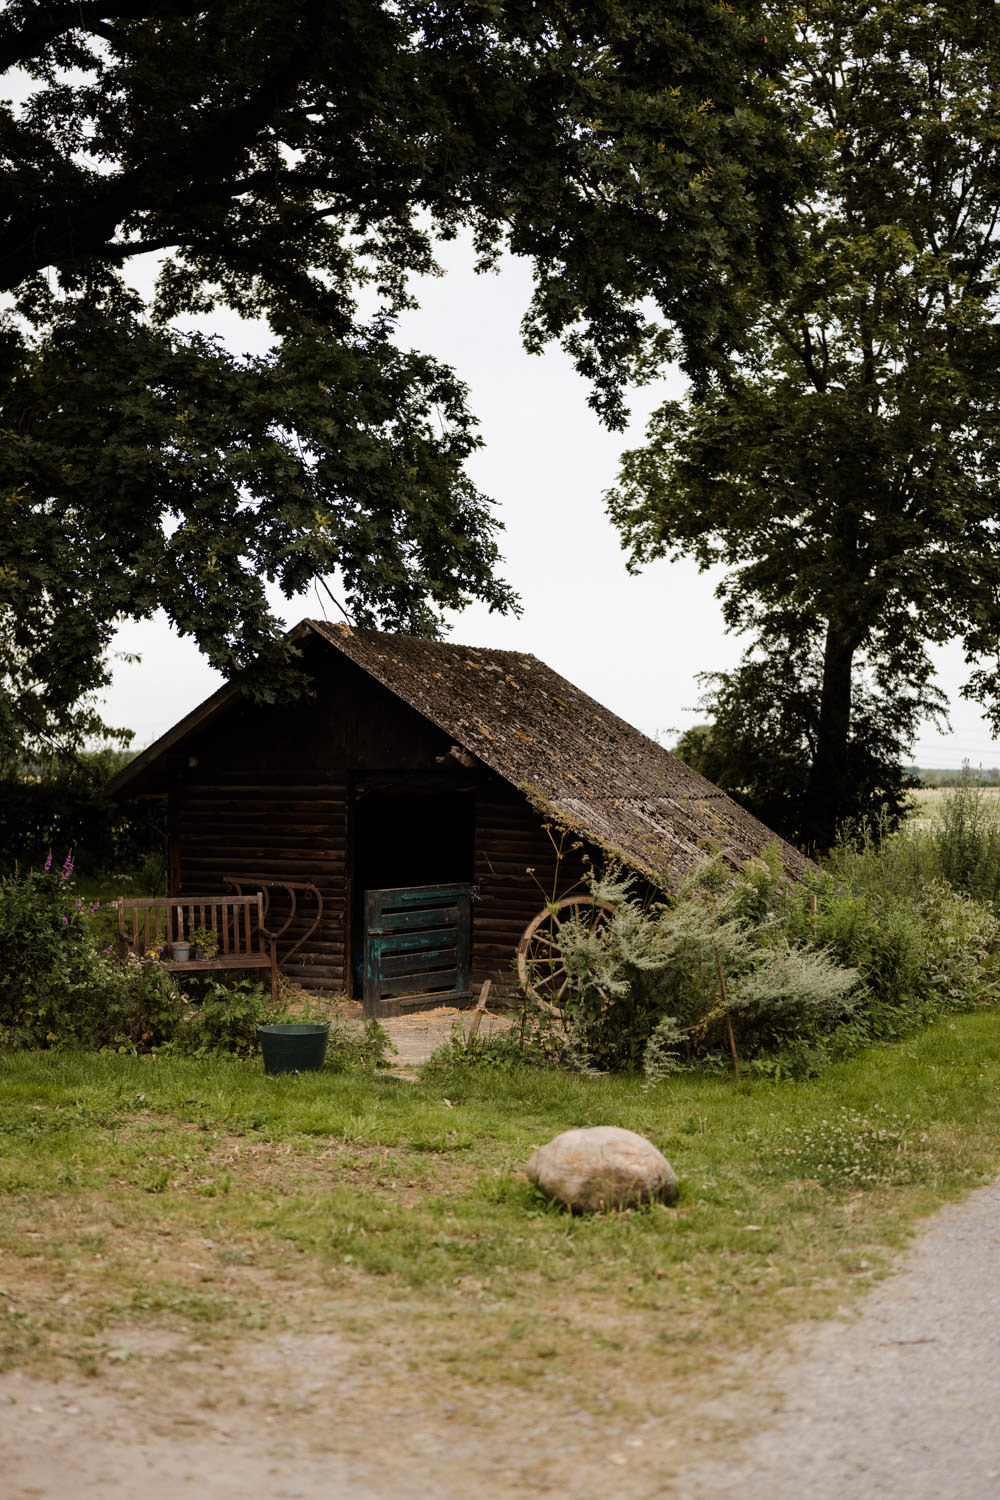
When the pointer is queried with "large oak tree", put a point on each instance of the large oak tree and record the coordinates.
(282, 157)
(846, 469)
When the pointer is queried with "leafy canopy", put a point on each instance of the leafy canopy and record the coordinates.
(845, 473)
(291, 160)
(761, 743)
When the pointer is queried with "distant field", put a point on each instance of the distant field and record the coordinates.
(929, 801)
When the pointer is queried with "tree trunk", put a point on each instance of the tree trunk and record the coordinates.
(828, 798)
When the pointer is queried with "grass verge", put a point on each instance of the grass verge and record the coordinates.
(201, 1196)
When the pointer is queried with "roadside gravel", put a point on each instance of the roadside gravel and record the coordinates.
(902, 1402)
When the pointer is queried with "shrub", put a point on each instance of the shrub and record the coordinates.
(349, 1048)
(224, 1019)
(57, 987)
(788, 978)
(659, 983)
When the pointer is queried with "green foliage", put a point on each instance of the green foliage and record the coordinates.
(844, 471)
(762, 741)
(56, 804)
(288, 159)
(649, 980)
(350, 1048)
(206, 940)
(958, 845)
(924, 949)
(966, 838)
(533, 1039)
(57, 987)
(224, 1018)
(790, 978)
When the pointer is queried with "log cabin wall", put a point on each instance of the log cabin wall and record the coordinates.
(517, 869)
(273, 832)
(269, 792)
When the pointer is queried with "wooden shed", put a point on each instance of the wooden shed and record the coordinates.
(427, 768)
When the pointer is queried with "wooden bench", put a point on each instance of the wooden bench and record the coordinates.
(151, 923)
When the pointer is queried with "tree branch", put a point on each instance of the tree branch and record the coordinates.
(47, 22)
(79, 232)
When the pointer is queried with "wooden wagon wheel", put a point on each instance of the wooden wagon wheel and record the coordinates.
(541, 965)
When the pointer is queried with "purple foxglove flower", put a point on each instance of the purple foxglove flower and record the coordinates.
(48, 863)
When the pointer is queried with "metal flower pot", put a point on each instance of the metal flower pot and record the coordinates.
(293, 1048)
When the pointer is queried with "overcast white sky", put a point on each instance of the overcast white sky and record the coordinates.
(635, 644)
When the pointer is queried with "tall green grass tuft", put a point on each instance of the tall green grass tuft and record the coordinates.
(960, 845)
(966, 839)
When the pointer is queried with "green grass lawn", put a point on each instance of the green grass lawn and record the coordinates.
(169, 1192)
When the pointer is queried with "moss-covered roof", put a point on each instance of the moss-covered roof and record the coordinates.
(573, 758)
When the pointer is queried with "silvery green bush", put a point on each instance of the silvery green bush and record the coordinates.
(790, 977)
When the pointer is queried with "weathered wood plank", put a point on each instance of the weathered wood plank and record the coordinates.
(407, 984)
(408, 963)
(430, 1001)
(412, 942)
(395, 899)
(433, 916)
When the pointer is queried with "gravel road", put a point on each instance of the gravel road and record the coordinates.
(904, 1402)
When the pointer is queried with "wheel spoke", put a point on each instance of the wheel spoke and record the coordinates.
(540, 961)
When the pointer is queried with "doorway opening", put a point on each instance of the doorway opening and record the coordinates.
(406, 835)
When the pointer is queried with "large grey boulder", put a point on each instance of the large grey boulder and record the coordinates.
(602, 1166)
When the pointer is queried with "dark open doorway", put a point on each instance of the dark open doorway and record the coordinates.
(406, 834)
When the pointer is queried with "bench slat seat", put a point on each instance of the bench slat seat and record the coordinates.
(152, 923)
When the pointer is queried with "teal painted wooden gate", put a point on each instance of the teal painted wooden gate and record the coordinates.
(416, 948)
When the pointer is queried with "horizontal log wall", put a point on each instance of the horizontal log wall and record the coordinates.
(517, 869)
(272, 833)
(299, 833)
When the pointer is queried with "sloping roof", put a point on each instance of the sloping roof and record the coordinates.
(573, 758)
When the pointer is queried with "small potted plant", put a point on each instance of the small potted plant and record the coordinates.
(206, 942)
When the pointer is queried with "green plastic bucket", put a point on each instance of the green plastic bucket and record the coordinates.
(293, 1048)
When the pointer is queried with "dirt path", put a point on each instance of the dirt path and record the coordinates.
(309, 1416)
(416, 1037)
(900, 1403)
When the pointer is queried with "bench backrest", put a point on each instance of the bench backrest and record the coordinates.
(146, 922)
